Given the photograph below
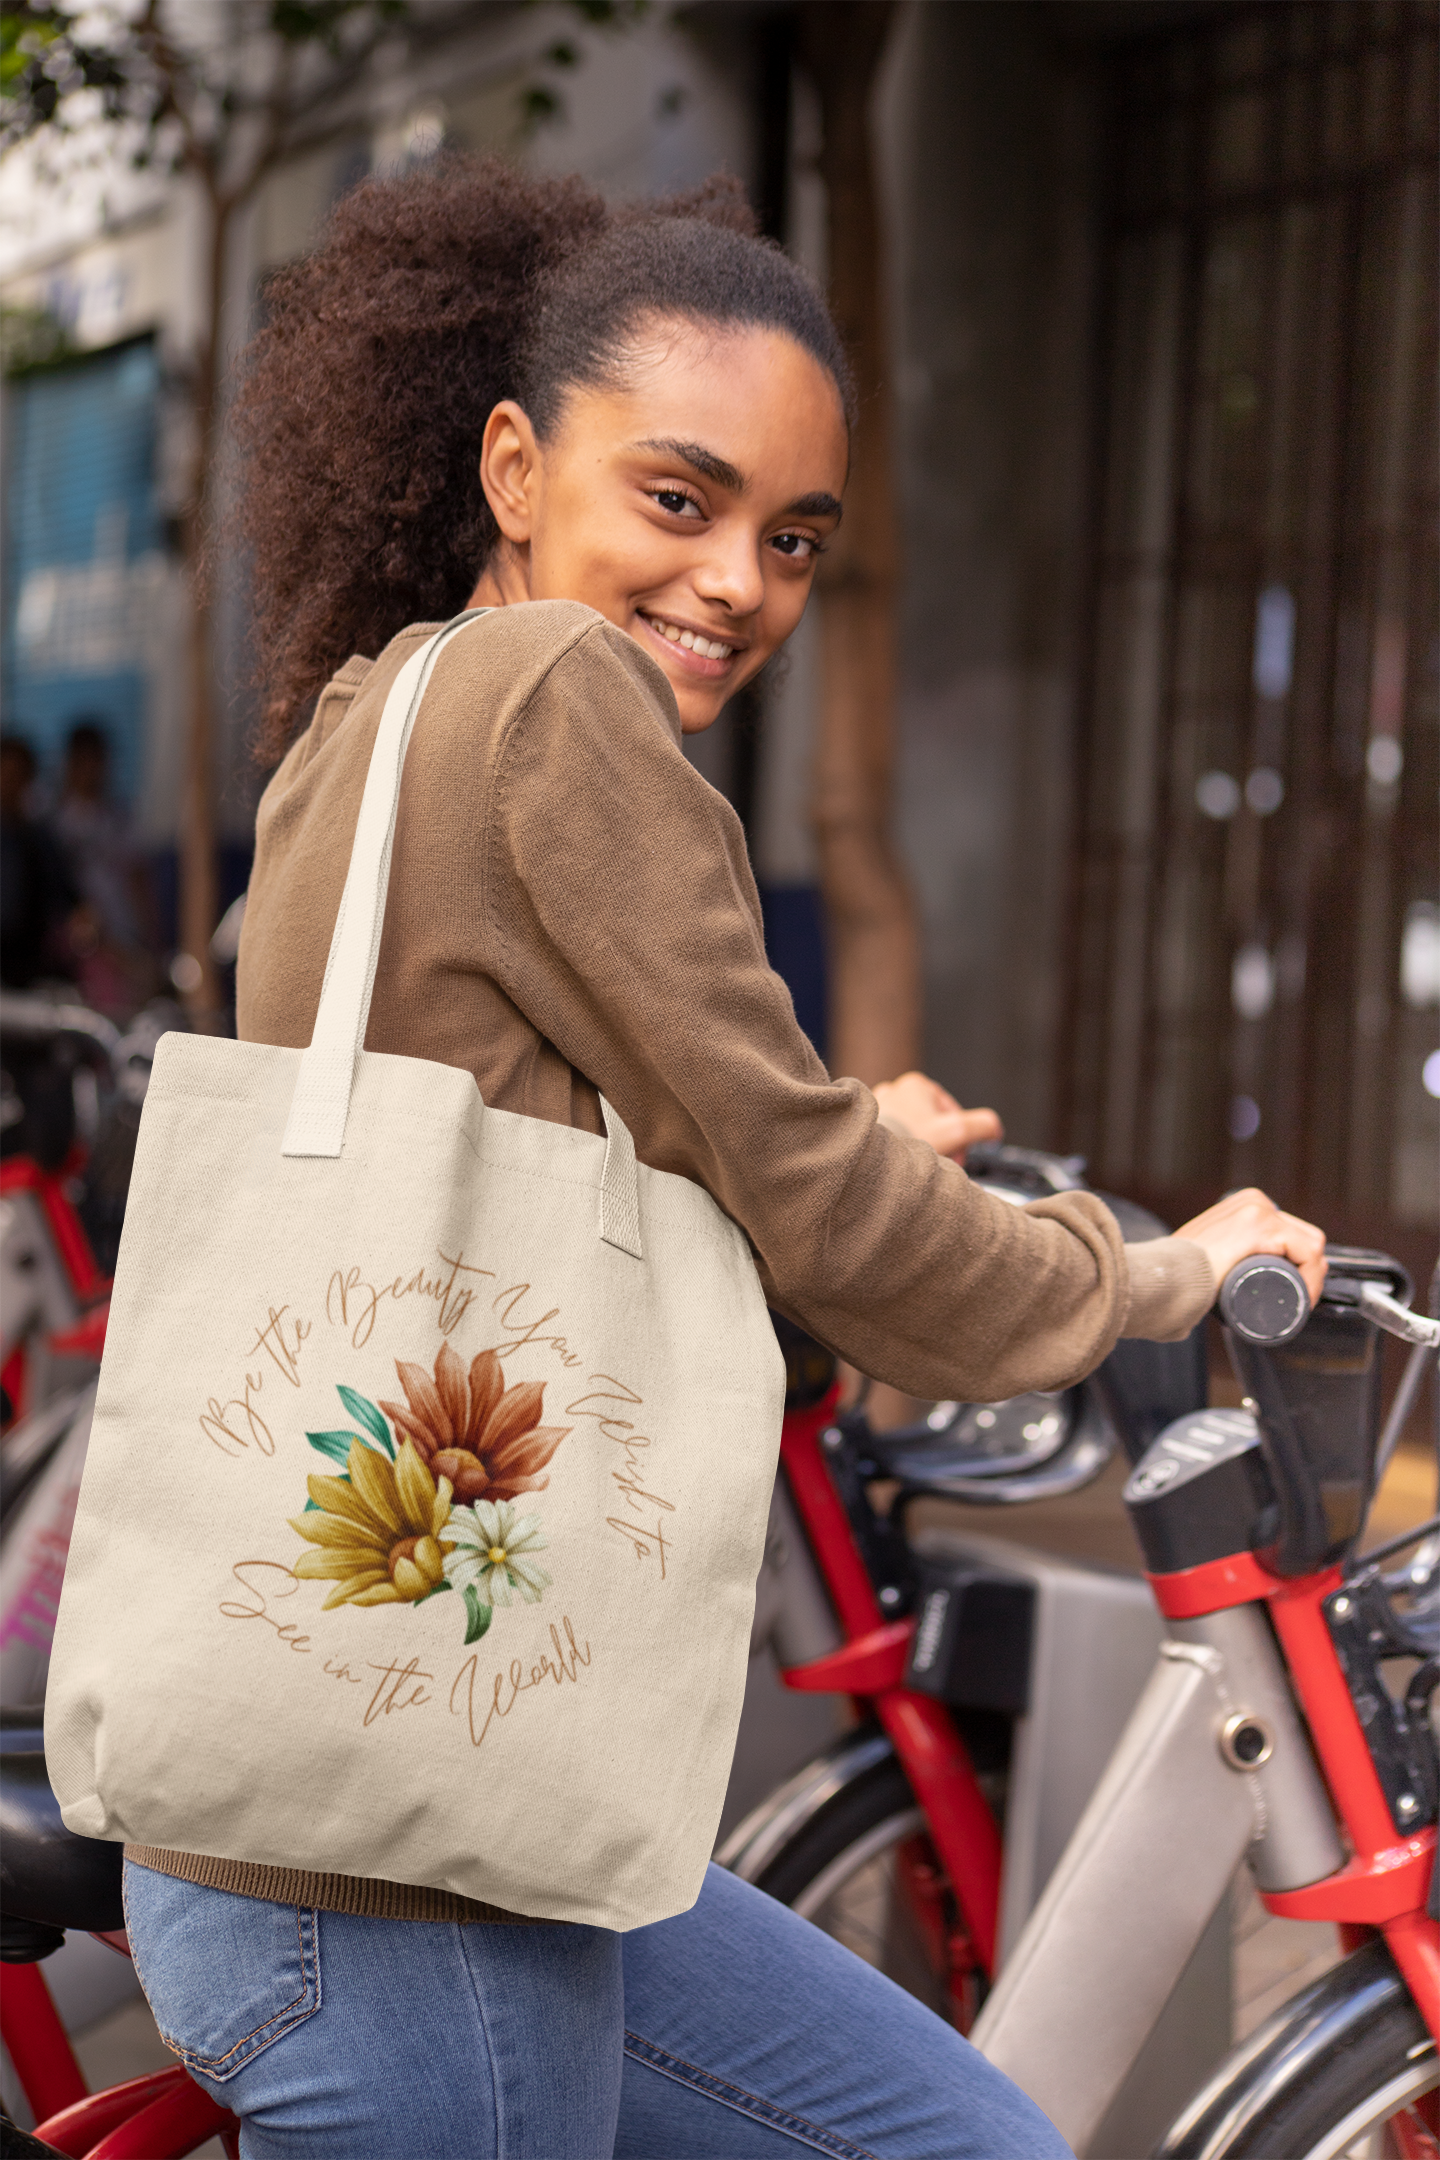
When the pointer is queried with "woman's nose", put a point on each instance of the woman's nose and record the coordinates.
(731, 574)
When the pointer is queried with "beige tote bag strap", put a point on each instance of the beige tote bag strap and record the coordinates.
(320, 1105)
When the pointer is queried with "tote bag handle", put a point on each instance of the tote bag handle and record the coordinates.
(320, 1106)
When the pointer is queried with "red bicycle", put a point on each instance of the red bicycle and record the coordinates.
(55, 1299)
(1276, 1651)
(1273, 1637)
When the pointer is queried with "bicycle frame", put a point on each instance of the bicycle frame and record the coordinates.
(165, 2112)
(1118, 1897)
(158, 2117)
(1167, 1768)
(1384, 1884)
(870, 1665)
(77, 1282)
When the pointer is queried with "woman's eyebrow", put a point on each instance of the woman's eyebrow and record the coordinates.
(712, 467)
(819, 505)
(700, 460)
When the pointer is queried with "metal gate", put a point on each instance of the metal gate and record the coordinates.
(1256, 948)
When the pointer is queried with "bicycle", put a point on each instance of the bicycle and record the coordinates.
(49, 1278)
(52, 1303)
(52, 1881)
(72, 1094)
(838, 1571)
(1259, 1596)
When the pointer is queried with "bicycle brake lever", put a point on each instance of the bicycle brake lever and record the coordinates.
(1397, 1319)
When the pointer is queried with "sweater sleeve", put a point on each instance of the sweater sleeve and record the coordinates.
(620, 915)
(1172, 1285)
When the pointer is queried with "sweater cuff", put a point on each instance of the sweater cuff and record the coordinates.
(1172, 1287)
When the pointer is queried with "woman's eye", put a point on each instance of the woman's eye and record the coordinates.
(798, 547)
(676, 501)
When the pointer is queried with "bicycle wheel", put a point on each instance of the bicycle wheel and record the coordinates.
(1359, 2109)
(864, 1870)
(1344, 2071)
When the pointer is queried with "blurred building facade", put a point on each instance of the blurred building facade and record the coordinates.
(101, 287)
(1163, 339)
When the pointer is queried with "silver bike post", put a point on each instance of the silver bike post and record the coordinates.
(1212, 1765)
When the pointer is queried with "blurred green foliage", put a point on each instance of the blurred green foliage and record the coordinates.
(32, 338)
(141, 73)
(542, 103)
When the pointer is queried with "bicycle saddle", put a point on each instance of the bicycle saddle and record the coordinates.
(50, 1879)
(1034, 1447)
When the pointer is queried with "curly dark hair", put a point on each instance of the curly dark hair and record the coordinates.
(430, 297)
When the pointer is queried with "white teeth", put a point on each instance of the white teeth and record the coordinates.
(708, 648)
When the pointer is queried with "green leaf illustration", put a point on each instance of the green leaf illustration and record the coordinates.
(336, 1445)
(361, 1407)
(434, 1593)
(479, 1616)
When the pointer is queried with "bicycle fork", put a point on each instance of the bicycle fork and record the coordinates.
(1213, 1766)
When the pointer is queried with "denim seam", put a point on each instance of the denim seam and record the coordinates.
(743, 2102)
(284, 2020)
(495, 2086)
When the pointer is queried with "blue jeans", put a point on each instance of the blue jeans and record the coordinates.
(735, 2032)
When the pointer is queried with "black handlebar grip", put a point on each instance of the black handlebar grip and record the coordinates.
(1264, 1300)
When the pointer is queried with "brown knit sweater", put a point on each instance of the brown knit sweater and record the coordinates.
(571, 909)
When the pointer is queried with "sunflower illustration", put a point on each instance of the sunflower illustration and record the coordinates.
(485, 1438)
(493, 1552)
(376, 1533)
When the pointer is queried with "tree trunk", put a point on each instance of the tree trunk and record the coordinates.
(874, 983)
(199, 874)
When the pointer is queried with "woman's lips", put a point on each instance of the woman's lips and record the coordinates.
(703, 665)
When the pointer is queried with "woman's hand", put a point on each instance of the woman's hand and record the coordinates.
(927, 1112)
(1241, 1224)
(1248, 1222)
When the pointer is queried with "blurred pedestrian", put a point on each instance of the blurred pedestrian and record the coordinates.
(114, 933)
(37, 894)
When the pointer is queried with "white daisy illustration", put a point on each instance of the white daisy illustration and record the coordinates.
(493, 1548)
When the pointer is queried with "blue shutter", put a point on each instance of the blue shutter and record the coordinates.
(84, 554)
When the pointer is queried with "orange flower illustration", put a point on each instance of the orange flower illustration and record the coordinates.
(485, 1438)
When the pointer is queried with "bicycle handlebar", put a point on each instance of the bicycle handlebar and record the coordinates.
(1397, 1319)
(1264, 1300)
(41, 1020)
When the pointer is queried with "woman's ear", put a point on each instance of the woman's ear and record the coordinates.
(509, 470)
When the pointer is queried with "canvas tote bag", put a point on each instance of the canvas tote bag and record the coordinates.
(429, 1473)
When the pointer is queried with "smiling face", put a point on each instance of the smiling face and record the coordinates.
(688, 507)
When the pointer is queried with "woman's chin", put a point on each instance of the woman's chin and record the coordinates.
(695, 715)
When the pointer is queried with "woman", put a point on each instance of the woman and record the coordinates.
(626, 434)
